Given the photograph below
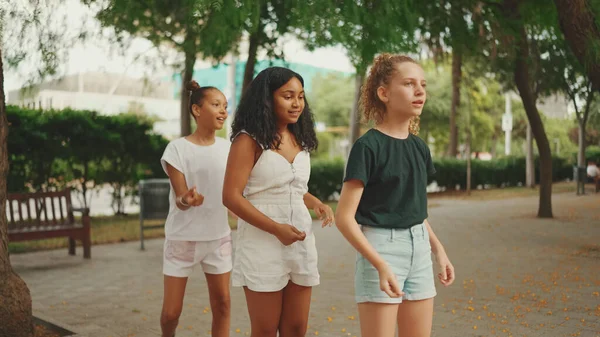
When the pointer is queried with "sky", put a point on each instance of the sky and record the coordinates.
(99, 54)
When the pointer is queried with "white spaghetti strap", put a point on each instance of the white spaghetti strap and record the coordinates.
(251, 136)
(243, 131)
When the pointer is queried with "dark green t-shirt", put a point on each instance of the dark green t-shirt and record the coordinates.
(394, 172)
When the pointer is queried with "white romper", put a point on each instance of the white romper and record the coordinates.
(262, 263)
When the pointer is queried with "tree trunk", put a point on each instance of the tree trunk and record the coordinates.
(118, 204)
(188, 73)
(494, 145)
(251, 62)
(581, 144)
(522, 80)
(456, 79)
(15, 299)
(582, 122)
(355, 113)
(468, 161)
(578, 24)
(86, 166)
(529, 159)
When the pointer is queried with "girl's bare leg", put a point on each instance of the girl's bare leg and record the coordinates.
(220, 303)
(174, 289)
(264, 309)
(415, 318)
(377, 319)
(294, 315)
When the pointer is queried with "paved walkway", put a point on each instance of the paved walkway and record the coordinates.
(516, 276)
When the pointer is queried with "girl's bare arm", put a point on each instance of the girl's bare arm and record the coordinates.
(311, 201)
(179, 185)
(239, 165)
(352, 191)
(436, 245)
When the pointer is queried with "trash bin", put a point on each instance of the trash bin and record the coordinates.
(154, 203)
(580, 177)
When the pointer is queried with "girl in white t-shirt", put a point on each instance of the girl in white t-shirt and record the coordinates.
(197, 230)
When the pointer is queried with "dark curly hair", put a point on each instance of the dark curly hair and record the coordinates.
(256, 116)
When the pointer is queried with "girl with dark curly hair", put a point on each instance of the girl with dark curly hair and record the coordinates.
(266, 186)
(382, 209)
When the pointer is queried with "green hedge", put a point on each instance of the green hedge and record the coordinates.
(507, 171)
(593, 153)
(53, 149)
(327, 175)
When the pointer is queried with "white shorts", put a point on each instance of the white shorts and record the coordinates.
(180, 257)
(263, 264)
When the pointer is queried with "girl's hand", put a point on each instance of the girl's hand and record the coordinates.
(192, 198)
(388, 282)
(288, 234)
(325, 213)
(445, 268)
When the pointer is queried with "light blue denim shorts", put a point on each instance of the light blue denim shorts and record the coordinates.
(408, 253)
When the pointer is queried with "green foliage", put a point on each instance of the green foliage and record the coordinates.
(593, 125)
(269, 20)
(332, 98)
(506, 24)
(592, 135)
(482, 97)
(325, 142)
(449, 25)
(326, 178)
(189, 26)
(592, 153)
(434, 119)
(32, 149)
(579, 22)
(484, 100)
(129, 145)
(363, 28)
(501, 172)
(36, 37)
(80, 149)
(558, 135)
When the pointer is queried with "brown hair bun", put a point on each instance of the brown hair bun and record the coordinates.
(192, 86)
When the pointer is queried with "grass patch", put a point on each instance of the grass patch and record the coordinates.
(504, 193)
(105, 230)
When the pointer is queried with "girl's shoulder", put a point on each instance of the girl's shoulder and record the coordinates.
(248, 135)
(420, 143)
(224, 142)
(242, 132)
(418, 139)
(177, 142)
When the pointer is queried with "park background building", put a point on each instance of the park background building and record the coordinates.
(112, 94)
(159, 98)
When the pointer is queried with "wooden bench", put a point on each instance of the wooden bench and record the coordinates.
(35, 216)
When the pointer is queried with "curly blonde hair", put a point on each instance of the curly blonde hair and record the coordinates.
(381, 72)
